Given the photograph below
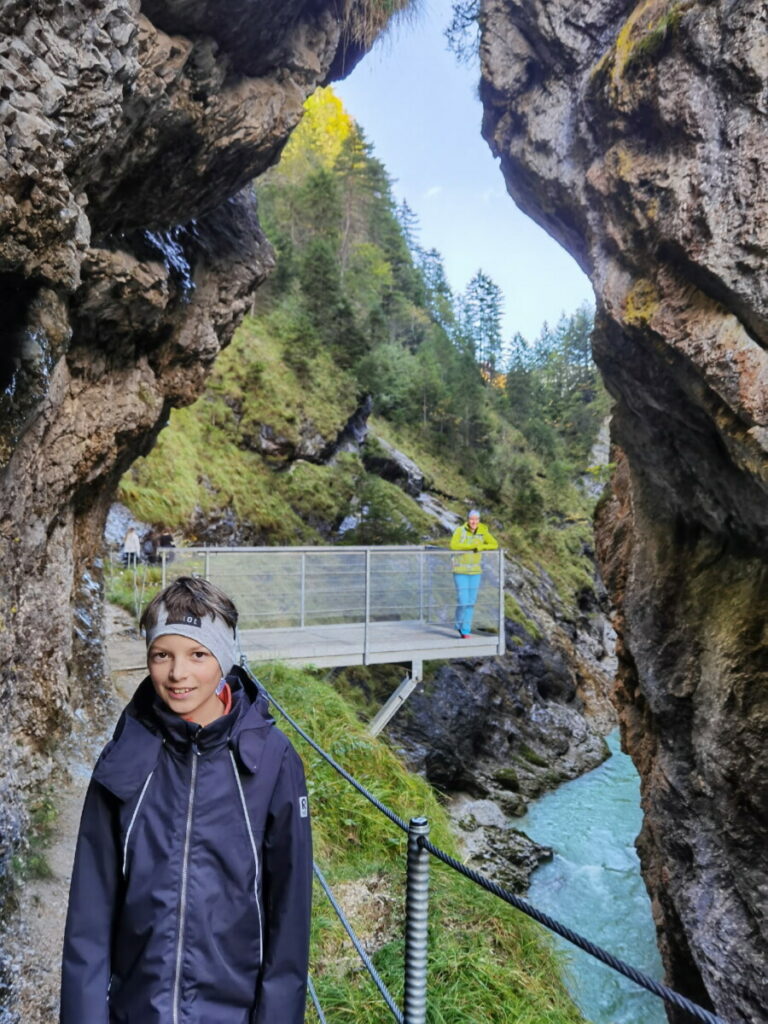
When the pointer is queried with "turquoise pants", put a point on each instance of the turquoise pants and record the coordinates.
(467, 586)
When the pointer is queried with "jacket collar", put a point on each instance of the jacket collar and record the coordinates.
(146, 725)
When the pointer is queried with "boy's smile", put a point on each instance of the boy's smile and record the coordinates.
(185, 676)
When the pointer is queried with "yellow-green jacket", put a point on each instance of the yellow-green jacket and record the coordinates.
(472, 545)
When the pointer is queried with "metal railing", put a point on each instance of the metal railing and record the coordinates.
(302, 587)
(417, 913)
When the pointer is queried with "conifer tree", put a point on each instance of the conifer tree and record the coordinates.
(481, 320)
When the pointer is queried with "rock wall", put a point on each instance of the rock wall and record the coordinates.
(129, 249)
(635, 133)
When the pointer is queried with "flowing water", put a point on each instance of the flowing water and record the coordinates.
(593, 885)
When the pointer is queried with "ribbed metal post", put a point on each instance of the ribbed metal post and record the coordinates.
(416, 920)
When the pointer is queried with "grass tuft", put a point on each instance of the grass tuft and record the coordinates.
(32, 862)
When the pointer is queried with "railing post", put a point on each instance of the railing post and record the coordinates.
(367, 603)
(421, 585)
(303, 587)
(162, 559)
(502, 623)
(416, 920)
(207, 569)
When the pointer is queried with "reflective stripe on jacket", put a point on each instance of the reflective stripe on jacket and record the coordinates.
(190, 895)
(473, 545)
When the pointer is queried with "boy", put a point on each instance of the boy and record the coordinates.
(471, 538)
(190, 894)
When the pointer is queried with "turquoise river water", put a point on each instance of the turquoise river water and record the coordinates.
(593, 885)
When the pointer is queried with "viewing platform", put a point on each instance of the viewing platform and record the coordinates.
(341, 606)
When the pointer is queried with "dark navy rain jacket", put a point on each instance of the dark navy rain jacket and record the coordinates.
(191, 889)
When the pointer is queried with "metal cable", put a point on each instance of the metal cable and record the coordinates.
(334, 764)
(315, 1001)
(368, 964)
(639, 978)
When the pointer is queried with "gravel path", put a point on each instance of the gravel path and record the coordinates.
(43, 902)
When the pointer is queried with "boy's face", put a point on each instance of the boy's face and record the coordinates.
(185, 676)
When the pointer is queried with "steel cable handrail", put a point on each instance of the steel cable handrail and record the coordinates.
(367, 962)
(327, 757)
(315, 1001)
(635, 975)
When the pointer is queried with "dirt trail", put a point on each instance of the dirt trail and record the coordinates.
(43, 903)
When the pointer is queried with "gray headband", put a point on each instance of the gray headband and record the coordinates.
(212, 632)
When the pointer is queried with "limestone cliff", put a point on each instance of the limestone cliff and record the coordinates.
(129, 249)
(635, 133)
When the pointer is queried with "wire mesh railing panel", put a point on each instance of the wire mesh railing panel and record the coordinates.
(335, 587)
(280, 588)
(265, 585)
(397, 586)
(182, 562)
(440, 590)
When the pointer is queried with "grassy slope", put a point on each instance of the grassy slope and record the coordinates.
(206, 463)
(487, 963)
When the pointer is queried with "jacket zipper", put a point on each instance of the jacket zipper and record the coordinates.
(184, 879)
(134, 816)
(253, 850)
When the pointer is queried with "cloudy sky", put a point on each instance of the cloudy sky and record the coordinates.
(418, 107)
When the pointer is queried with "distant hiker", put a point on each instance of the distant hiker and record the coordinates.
(471, 538)
(149, 547)
(165, 540)
(191, 888)
(131, 547)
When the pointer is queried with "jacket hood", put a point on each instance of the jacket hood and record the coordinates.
(147, 725)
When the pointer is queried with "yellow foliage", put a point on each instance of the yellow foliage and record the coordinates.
(321, 134)
(493, 377)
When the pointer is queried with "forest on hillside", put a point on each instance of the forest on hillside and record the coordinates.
(359, 316)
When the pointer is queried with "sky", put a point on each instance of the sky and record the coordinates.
(419, 108)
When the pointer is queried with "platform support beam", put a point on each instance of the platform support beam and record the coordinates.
(398, 698)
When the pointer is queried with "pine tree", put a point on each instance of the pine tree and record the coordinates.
(481, 320)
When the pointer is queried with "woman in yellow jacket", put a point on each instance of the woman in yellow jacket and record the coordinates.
(471, 538)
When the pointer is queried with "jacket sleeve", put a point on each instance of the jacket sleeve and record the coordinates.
(489, 542)
(93, 896)
(287, 889)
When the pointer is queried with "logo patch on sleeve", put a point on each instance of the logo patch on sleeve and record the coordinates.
(303, 808)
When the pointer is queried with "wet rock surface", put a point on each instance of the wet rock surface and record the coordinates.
(494, 734)
(635, 134)
(491, 846)
(504, 729)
